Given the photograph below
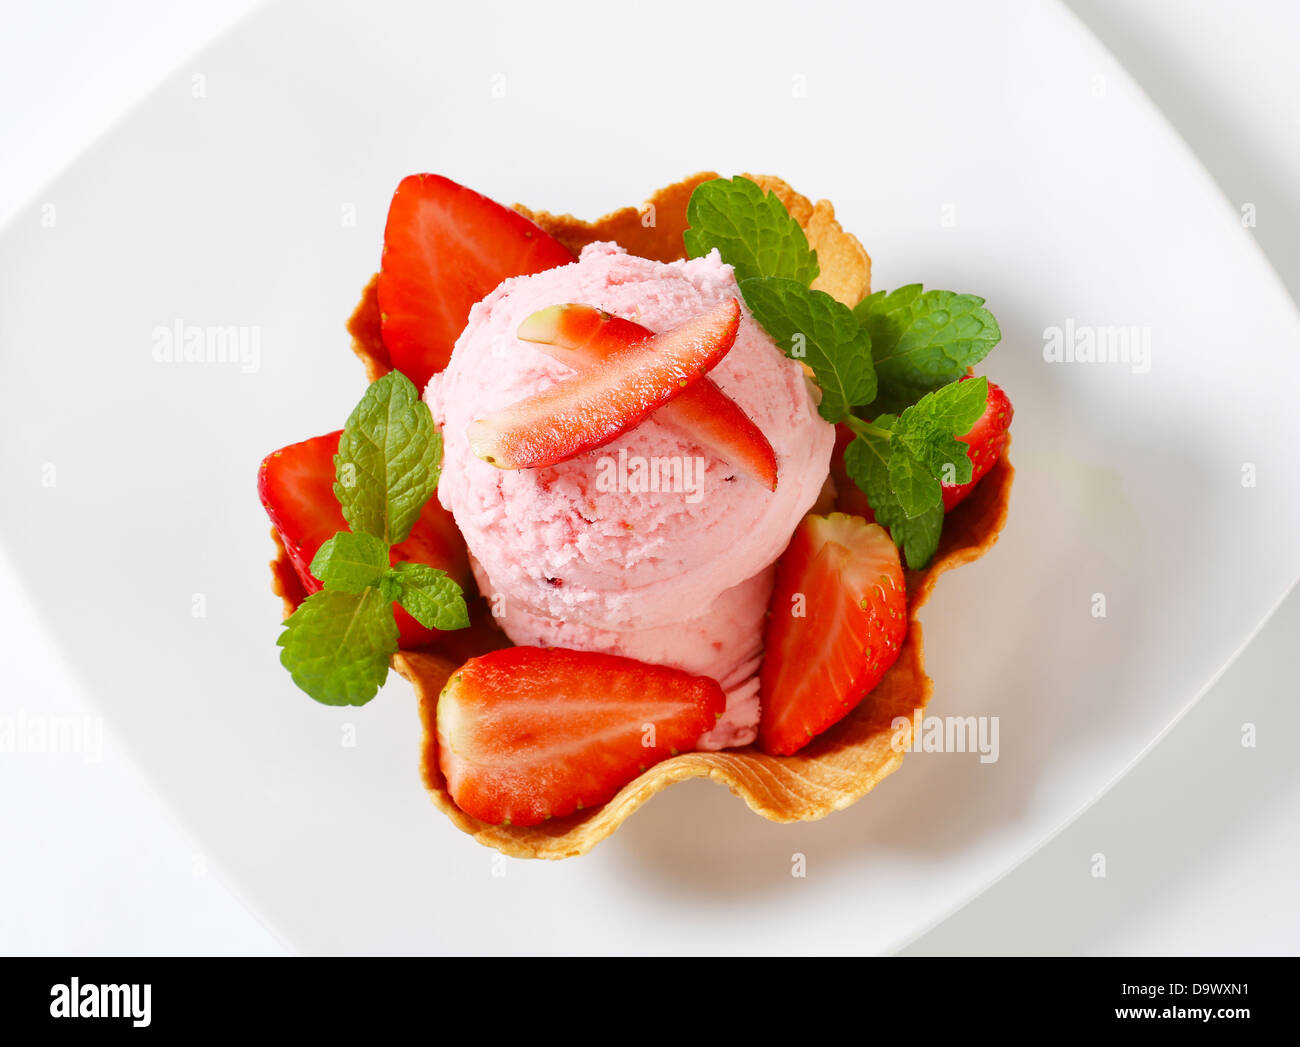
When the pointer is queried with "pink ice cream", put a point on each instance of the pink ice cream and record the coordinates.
(647, 547)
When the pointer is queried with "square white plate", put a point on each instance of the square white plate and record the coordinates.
(992, 149)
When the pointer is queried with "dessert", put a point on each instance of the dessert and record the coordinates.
(748, 615)
(576, 562)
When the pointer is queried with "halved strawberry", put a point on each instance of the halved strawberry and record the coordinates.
(837, 622)
(529, 733)
(582, 336)
(987, 439)
(296, 485)
(445, 248)
(597, 405)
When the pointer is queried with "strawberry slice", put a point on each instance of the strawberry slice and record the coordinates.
(296, 485)
(445, 248)
(837, 622)
(595, 406)
(987, 439)
(582, 336)
(530, 733)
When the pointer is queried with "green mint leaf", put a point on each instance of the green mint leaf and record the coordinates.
(914, 485)
(866, 460)
(813, 327)
(388, 460)
(955, 407)
(922, 340)
(928, 430)
(945, 457)
(752, 231)
(430, 597)
(337, 645)
(918, 536)
(351, 562)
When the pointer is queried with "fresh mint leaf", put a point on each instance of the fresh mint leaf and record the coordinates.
(337, 645)
(922, 340)
(954, 408)
(813, 327)
(928, 429)
(430, 597)
(351, 562)
(866, 460)
(914, 485)
(941, 454)
(918, 536)
(388, 460)
(752, 231)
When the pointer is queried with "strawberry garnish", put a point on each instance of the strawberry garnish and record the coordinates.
(582, 336)
(837, 622)
(296, 484)
(987, 439)
(445, 248)
(530, 733)
(595, 406)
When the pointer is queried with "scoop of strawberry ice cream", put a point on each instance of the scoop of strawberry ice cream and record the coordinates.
(647, 547)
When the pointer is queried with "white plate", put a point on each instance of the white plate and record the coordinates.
(995, 150)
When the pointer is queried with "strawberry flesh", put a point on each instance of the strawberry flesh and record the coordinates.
(530, 733)
(597, 405)
(837, 622)
(582, 336)
(445, 248)
(296, 485)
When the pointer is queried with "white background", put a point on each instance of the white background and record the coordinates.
(1202, 851)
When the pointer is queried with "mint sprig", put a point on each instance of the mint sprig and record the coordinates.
(388, 461)
(928, 430)
(866, 460)
(429, 596)
(902, 462)
(338, 642)
(774, 268)
(813, 327)
(914, 485)
(351, 562)
(752, 231)
(921, 340)
(896, 356)
(337, 645)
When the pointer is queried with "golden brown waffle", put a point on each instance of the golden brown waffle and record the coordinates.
(836, 768)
